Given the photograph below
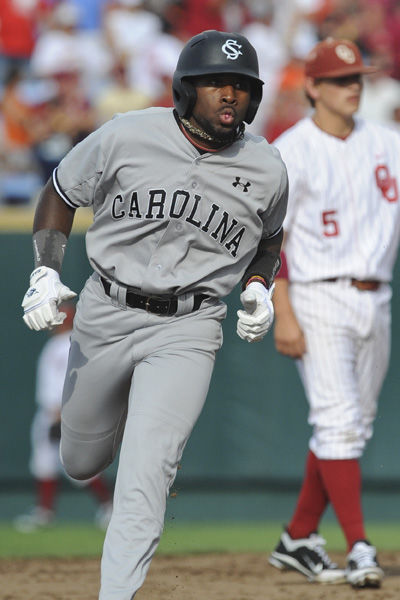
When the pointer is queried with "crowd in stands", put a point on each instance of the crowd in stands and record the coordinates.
(67, 66)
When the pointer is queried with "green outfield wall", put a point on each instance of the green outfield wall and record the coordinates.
(253, 430)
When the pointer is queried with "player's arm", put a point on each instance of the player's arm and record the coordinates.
(52, 225)
(266, 262)
(52, 213)
(289, 338)
(258, 285)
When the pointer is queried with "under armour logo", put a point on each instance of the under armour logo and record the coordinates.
(245, 186)
(232, 49)
(31, 292)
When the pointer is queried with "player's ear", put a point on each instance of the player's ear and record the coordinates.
(311, 87)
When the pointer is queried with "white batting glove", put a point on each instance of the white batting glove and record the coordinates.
(257, 318)
(41, 301)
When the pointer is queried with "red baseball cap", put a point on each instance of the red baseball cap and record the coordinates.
(335, 58)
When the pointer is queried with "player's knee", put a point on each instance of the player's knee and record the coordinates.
(79, 463)
(343, 443)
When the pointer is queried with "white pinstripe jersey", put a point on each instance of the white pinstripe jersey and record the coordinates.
(343, 215)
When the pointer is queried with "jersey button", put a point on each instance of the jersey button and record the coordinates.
(158, 267)
(178, 227)
(194, 184)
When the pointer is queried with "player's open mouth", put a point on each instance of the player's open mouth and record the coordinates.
(227, 116)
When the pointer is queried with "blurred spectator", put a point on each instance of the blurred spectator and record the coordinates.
(68, 118)
(16, 112)
(118, 96)
(151, 71)
(19, 179)
(57, 48)
(129, 28)
(45, 462)
(272, 57)
(295, 21)
(18, 22)
(380, 29)
(381, 93)
(202, 15)
(62, 47)
(341, 19)
(393, 25)
(290, 103)
(90, 14)
(119, 55)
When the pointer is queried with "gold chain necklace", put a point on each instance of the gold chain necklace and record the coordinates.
(199, 132)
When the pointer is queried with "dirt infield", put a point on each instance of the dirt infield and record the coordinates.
(195, 577)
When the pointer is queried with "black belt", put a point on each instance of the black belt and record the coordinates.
(370, 285)
(154, 304)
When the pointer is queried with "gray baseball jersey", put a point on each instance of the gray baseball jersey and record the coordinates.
(160, 207)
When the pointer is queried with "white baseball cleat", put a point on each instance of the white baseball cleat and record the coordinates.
(363, 569)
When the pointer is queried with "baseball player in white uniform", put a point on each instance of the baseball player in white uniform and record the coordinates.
(333, 305)
(186, 205)
(44, 463)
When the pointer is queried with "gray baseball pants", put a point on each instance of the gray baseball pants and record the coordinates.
(143, 379)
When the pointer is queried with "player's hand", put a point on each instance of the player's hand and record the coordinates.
(289, 338)
(258, 314)
(42, 299)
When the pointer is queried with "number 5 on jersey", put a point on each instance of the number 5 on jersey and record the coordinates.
(330, 223)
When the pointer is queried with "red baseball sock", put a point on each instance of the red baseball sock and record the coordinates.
(342, 480)
(46, 493)
(311, 502)
(100, 489)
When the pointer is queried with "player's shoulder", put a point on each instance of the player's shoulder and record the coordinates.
(259, 156)
(145, 114)
(295, 135)
(148, 118)
(256, 145)
(379, 130)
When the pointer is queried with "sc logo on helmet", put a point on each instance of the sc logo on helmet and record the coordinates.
(232, 49)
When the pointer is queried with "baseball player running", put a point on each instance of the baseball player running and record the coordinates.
(186, 204)
(333, 311)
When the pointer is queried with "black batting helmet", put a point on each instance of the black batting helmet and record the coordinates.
(214, 52)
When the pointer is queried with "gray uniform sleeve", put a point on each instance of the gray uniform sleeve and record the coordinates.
(78, 173)
(266, 262)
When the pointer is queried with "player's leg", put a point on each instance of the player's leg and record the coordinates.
(333, 390)
(337, 440)
(311, 503)
(96, 389)
(373, 359)
(328, 377)
(371, 367)
(170, 384)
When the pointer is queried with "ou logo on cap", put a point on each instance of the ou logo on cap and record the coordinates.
(232, 49)
(346, 54)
